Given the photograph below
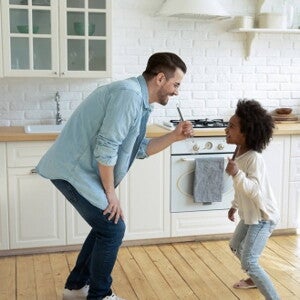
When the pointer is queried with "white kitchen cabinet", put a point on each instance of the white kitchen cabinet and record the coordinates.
(36, 208)
(276, 156)
(1, 45)
(144, 195)
(85, 34)
(294, 184)
(201, 223)
(77, 227)
(4, 237)
(294, 205)
(40, 215)
(34, 213)
(53, 38)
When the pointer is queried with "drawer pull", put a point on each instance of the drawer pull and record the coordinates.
(33, 171)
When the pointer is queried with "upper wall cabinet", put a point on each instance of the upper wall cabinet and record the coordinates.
(51, 38)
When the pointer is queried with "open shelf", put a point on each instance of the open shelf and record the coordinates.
(265, 30)
(251, 32)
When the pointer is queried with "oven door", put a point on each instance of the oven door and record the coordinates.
(182, 180)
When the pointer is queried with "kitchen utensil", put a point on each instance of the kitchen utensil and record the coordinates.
(235, 152)
(179, 112)
(182, 119)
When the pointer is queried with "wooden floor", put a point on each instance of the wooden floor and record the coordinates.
(193, 270)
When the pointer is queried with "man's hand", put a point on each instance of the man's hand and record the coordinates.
(184, 130)
(113, 208)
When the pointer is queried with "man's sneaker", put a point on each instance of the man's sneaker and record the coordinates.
(112, 297)
(76, 294)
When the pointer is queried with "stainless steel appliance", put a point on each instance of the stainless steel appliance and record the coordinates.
(183, 155)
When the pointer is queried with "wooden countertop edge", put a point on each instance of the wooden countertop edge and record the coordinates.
(17, 134)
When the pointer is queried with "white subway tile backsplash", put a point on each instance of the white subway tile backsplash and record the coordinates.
(218, 74)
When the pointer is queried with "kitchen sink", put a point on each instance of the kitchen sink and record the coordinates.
(48, 128)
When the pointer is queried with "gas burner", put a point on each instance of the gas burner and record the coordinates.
(205, 123)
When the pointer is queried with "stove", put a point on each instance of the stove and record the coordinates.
(204, 123)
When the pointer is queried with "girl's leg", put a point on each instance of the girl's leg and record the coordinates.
(237, 240)
(253, 246)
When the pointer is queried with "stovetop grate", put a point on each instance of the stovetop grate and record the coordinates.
(205, 123)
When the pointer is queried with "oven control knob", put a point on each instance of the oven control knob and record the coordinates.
(220, 147)
(196, 147)
(208, 145)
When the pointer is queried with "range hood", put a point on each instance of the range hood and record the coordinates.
(194, 9)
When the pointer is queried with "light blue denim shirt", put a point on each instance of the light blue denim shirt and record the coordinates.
(109, 127)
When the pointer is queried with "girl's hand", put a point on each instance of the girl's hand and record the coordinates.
(231, 213)
(231, 168)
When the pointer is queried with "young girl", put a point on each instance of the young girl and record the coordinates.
(251, 128)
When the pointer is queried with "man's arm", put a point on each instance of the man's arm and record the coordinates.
(107, 179)
(182, 131)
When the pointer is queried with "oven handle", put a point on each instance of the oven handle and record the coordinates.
(193, 159)
(187, 159)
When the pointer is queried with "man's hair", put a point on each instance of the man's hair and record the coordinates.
(255, 123)
(165, 62)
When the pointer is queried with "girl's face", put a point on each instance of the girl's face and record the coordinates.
(233, 132)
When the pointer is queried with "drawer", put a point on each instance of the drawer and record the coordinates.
(26, 154)
(295, 169)
(295, 146)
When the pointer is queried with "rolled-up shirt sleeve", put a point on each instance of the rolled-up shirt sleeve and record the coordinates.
(142, 153)
(121, 115)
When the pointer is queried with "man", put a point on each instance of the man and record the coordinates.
(95, 151)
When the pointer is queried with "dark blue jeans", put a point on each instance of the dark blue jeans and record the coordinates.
(98, 255)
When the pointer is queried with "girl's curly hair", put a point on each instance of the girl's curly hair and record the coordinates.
(255, 123)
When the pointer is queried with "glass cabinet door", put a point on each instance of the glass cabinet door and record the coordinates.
(31, 46)
(86, 50)
(51, 38)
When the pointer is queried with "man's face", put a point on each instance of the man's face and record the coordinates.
(169, 87)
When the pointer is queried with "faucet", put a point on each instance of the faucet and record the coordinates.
(58, 117)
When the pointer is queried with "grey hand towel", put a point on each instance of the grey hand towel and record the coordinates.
(208, 179)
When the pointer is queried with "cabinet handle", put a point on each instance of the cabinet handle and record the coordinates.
(33, 171)
(62, 73)
(55, 73)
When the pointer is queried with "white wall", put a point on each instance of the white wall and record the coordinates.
(218, 75)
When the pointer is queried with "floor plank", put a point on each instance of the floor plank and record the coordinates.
(175, 281)
(206, 278)
(153, 275)
(44, 277)
(193, 270)
(8, 278)
(121, 284)
(60, 270)
(226, 268)
(136, 277)
(27, 288)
